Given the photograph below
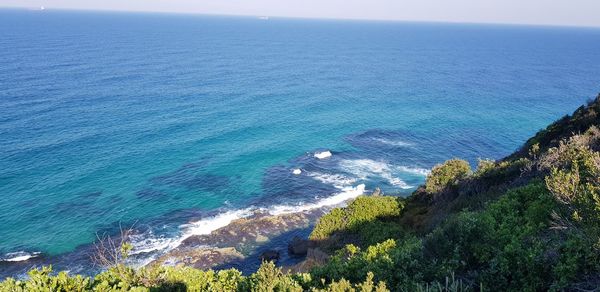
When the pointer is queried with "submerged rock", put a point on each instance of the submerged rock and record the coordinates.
(200, 258)
(269, 255)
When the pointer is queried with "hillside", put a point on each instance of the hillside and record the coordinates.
(530, 221)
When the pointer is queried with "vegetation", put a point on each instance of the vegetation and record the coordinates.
(368, 219)
(529, 222)
(447, 174)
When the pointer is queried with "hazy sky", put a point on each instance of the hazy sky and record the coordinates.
(556, 12)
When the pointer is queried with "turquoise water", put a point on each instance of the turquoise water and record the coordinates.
(156, 120)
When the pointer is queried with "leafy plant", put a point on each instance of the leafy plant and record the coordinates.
(447, 174)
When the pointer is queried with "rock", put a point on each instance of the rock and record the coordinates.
(245, 236)
(299, 246)
(261, 238)
(377, 192)
(200, 258)
(269, 255)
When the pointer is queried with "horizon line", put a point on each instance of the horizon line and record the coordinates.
(30, 8)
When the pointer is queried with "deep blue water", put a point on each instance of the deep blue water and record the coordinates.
(159, 120)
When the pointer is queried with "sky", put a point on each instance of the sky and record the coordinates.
(541, 12)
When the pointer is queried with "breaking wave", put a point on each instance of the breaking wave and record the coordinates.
(323, 155)
(19, 256)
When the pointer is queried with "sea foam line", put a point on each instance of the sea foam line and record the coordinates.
(338, 181)
(337, 199)
(414, 170)
(365, 168)
(393, 143)
(19, 256)
(147, 243)
(360, 168)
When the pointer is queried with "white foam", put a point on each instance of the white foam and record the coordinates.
(414, 170)
(365, 168)
(323, 155)
(395, 181)
(149, 243)
(19, 256)
(208, 225)
(147, 247)
(399, 183)
(393, 143)
(339, 181)
(337, 199)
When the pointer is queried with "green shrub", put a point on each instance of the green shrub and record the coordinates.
(503, 244)
(194, 279)
(575, 180)
(43, 280)
(447, 174)
(496, 173)
(397, 264)
(485, 166)
(368, 217)
(345, 286)
(270, 278)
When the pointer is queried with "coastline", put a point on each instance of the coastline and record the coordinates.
(242, 243)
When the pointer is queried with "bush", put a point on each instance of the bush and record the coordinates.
(268, 278)
(396, 263)
(575, 180)
(447, 174)
(504, 246)
(369, 217)
(485, 166)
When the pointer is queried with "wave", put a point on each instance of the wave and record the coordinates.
(335, 200)
(414, 170)
(323, 155)
(398, 182)
(19, 256)
(365, 168)
(393, 143)
(149, 244)
(208, 225)
(338, 181)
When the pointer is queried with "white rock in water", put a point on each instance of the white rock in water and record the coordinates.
(297, 171)
(323, 155)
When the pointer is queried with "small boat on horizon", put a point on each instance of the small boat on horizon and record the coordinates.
(263, 17)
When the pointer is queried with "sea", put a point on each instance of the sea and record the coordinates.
(175, 125)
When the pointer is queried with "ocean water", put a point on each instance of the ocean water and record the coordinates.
(178, 124)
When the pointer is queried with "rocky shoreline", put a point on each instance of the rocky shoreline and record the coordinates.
(246, 242)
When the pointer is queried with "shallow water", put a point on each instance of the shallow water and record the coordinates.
(157, 120)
